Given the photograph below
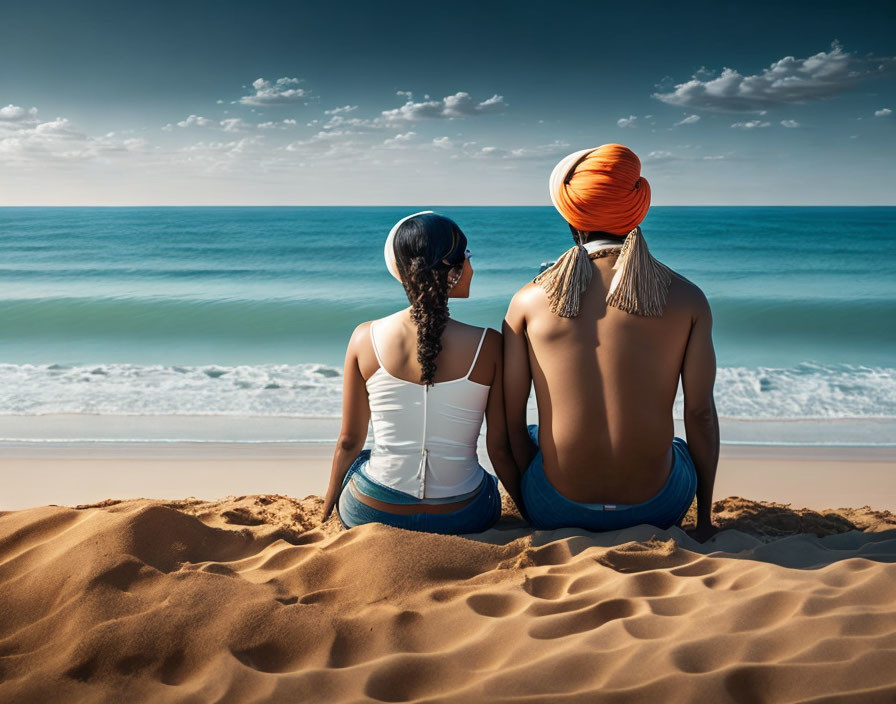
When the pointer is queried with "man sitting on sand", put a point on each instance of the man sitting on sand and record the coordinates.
(605, 334)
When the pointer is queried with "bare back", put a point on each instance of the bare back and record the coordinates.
(397, 340)
(605, 382)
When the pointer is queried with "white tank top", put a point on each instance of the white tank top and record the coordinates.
(424, 437)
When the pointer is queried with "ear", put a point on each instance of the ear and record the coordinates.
(455, 274)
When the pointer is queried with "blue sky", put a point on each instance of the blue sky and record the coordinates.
(106, 103)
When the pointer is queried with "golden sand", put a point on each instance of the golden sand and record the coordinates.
(249, 599)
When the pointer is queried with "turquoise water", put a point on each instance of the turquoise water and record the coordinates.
(247, 310)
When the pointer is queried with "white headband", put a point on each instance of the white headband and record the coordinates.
(389, 251)
(561, 172)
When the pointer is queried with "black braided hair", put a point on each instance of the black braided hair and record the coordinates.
(427, 248)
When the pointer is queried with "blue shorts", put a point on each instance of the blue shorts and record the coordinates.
(479, 515)
(547, 508)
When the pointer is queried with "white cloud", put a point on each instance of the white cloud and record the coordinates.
(659, 155)
(279, 92)
(541, 151)
(452, 106)
(663, 156)
(324, 142)
(223, 156)
(790, 123)
(341, 110)
(788, 80)
(443, 143)
(273, 125)
(750, 124)
(340, 123)
(883, 112)
(234, 145)
(196, 121)
(13, 114)
(460, 104)
(689, 120)
(400, 140)
(233, 124)
(630, 121)
(60, 127)
(25, 139)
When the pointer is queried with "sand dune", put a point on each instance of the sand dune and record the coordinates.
(248, 600)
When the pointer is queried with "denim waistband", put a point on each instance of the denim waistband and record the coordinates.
(681, 461)
(547, 508)
(373, 489)
(681, 458)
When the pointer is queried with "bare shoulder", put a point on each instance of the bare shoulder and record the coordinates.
(687, 296)
(465, 328)
(360, 346)
(528, 299)
(360, 335)
(528, 294)
(490, 356)
(493, 342)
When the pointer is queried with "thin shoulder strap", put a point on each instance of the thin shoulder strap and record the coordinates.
(376, 350)
(476, 356)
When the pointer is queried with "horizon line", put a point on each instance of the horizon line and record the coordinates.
(447, 205)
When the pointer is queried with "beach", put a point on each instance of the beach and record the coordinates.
(246, 597)
(170, 385)
(201, 571)
(82, 473)
(239, 242)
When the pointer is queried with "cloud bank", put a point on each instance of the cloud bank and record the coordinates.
(279, 92)
(786, 81)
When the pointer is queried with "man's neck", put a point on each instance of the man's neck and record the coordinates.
(598, 243)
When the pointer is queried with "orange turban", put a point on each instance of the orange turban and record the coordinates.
(601, 189)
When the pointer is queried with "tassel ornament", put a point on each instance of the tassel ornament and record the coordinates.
(640, 285)
(566, 281)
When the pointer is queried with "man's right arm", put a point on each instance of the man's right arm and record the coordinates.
(698, 374)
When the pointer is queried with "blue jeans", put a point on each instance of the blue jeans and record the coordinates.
(547, 508)
(479, 515)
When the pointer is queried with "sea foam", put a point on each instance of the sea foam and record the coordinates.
(805, 391)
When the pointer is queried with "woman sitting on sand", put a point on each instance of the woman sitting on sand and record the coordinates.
(425, 381)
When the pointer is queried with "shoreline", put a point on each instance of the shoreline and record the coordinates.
(210, 449)
(168, 429)
(74, 473)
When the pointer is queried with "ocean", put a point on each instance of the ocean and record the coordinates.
(245, 312)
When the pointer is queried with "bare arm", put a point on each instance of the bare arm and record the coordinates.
(517, 383)
(496, 439)
(355, 418)
(698, 374)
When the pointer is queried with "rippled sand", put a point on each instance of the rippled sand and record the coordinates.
(248, 599)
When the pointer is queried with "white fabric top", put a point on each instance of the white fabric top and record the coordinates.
(424, 437)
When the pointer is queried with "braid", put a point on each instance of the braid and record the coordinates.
(427, 290)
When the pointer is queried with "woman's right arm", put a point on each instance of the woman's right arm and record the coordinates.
(496, 439)
(355, 418)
